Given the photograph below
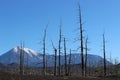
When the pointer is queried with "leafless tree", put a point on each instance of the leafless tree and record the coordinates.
(81, 40)
(110, 68)
(44, 51)
(86, 55)
(21, 60)
(104, 53)
(55, 58)
(66, 73)
(69, 65)
(60, 37)
(27, 63)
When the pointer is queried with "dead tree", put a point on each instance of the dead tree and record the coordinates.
(55, 63)
(66, 73)
(27, 64)
(44, 51)
(60, 37)
(69, 65)
(86, 55)
(55, 58)
(110, 66)
(81, 39)
(21, 60)
(104, 53)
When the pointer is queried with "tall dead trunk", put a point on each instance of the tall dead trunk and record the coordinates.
(86, 50)
(69, 67)
(55, 58)
(81, 44)
(66, 73)
(60, 36)
(44, 51)
(104, 53)
(55, 64)
(27, 65)
(21, 60)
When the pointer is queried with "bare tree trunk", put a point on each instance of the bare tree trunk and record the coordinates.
(23, 57)
(104, 52)
(66, 73)
(27, 64)
(86, 49)
(60, 36)
(110, 66)
(55, 58)
(81, 44)
(69, 67)
(55, 66)
(21, 60)
(44, 51)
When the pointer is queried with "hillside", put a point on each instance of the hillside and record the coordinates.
(33, 58)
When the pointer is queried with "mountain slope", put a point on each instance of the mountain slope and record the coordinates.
(33, 58)
(13, 56)
(93, 60)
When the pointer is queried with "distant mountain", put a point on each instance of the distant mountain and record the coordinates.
(93, 60)
(12, 58)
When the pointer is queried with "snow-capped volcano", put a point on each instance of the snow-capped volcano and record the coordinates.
(33, 58)
(13, 56)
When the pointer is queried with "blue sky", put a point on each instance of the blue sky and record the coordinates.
(26, 20)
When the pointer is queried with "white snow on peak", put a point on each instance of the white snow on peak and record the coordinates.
(30, 51)
(26, 50)
(16, 49)
(13, 56)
